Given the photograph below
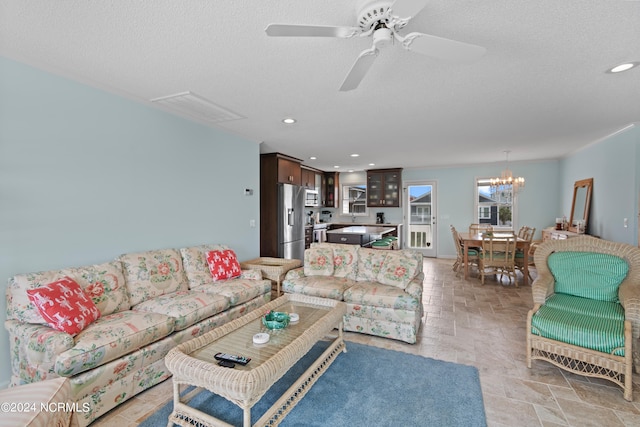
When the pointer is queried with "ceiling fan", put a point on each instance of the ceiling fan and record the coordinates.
(383, 20)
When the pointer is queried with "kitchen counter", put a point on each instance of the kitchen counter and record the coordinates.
(362, 229)
(357, 224)
(361, 235)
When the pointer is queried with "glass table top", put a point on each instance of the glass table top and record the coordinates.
(240, 341)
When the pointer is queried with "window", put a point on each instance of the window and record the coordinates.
(354, 200)
(485, 212)
(495, 206)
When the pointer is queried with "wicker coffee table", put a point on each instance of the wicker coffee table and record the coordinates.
(193, 362)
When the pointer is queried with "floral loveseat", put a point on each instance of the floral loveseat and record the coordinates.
(148, 303)
(382, 288)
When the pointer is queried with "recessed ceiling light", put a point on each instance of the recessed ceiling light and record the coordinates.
(355, 155)
(288, 120)
(372, 164)
(623, 67)
(350, 170)
(312, 158)
(336, 167)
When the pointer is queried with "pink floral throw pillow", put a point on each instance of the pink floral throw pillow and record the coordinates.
(64, 305)
(398, 269)
(223, 264)
(318, 262)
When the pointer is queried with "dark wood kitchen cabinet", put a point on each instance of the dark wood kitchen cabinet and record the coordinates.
(278, 168)
(384, 188)
(309, 178)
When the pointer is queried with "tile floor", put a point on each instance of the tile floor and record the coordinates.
(483, 326)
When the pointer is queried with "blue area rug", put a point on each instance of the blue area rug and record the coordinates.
(367, 386)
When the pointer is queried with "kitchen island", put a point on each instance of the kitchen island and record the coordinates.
(361, 235)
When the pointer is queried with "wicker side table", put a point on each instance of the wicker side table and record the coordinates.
(273, 269)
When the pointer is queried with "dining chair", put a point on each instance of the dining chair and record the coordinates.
(472, 254)
(519, 258)
(522, 233)
(498, 256)
(480, 228)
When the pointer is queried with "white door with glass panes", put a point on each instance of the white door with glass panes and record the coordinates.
(420, 217)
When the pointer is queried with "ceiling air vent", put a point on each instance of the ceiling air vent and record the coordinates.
(197, 107)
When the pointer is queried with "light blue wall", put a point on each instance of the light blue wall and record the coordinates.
(86, 175)
(538, 203)
(614, 166)
(613, 163)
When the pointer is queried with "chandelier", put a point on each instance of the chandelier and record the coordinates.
(506, 181)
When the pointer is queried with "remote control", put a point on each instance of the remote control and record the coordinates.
(233, 358)
(227, 364)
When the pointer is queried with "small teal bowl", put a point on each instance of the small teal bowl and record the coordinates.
(275, 320)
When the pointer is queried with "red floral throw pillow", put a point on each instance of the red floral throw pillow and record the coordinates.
(64, 305)
(223, 264)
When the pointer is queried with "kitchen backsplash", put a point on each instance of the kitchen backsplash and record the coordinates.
(391, 215)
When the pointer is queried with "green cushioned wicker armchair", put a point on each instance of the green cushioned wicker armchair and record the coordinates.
(586, 313)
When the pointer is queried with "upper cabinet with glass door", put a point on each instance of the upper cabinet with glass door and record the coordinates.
(330, 191)
(384, 188)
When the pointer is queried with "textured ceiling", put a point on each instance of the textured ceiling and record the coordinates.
(541, 90)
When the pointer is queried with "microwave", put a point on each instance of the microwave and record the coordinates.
(311, 198)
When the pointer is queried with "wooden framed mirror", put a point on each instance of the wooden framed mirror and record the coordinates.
(581, 204)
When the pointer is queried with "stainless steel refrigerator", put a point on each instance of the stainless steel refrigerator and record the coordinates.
(291, 221)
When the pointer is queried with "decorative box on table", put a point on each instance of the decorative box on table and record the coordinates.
(273, 269)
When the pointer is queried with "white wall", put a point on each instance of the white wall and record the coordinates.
(86, 176)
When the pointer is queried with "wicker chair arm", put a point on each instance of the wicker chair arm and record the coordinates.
(542, 287)
(544, 284)
(629, 294)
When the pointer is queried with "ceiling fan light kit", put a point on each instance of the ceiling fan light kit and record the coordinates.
(382, 37)
(382, 20)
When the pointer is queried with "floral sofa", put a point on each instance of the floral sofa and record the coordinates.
(381, 288)
(148, 303)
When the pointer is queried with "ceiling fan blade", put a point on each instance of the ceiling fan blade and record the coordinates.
(407, 9)
(288, 30)
(359, 69)
(440, 48)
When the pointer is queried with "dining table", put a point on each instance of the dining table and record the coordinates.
(472, 240)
